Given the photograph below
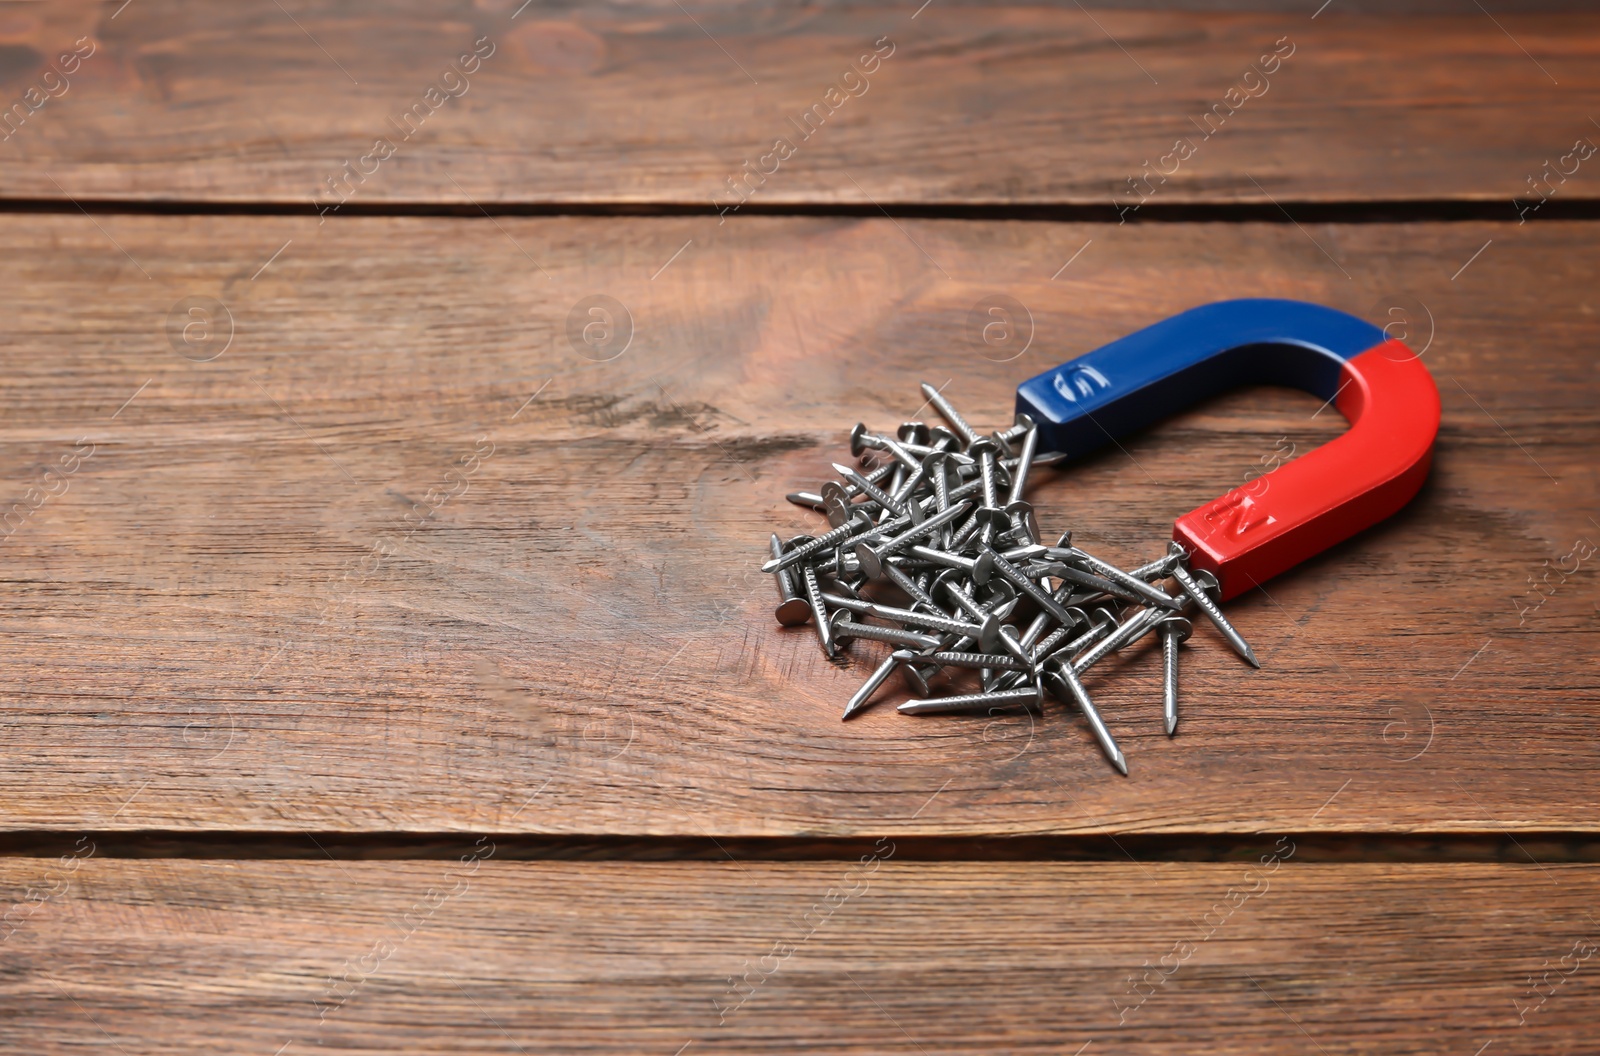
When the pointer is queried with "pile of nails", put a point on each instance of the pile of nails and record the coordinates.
(932, 538)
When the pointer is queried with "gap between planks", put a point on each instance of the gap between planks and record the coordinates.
(1534, 849)
(1287, 211)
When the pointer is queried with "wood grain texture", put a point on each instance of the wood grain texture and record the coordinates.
(434, 957)
(640, 103)
(265, 601)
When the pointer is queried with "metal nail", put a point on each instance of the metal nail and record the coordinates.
(849, 491)
(979, 568)
(978, 610)
(1131, 631)
(1030, 588)
(1078, 577)
(871, 490)
(949, 658)
(872, 554)
(1011, 641)
(1214, 614)
(1101, 623)
(905, 494)
(844, 630)
(1044, 458)
(805, 498)
(972, 702)
(1160, 568)
(858, 700)
(913, 432)
(861, 441)
(1025, 552)
(940, 473)
(1023, 424)
(792, 610)
(1023, 523)
(1173, 629)
(1068, 688)
(910, 586)
(916, 678)
(1042, 620)
(822, 542)
(985, 451)
(1019, 475)
(987, 632)
(819, 612)
(1145, 591)
(949, 414)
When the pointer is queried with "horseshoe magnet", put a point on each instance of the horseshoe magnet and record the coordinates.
(1269, 525)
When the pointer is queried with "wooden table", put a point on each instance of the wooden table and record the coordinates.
(386, 664)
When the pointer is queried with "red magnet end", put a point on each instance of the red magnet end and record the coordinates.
(1267, 526)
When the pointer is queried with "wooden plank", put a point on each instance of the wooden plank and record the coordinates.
(293, 587)
(178, 957)
(633, 103)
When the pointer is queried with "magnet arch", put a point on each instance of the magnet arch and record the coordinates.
(1271, 524)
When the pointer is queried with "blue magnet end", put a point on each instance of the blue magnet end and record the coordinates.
(1140, 379)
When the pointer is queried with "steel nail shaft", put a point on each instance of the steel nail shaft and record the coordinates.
(844, 630)
(1014, 574)
(1214, 614)
(1131, 630)
(1174, 629)
(971, 702)
(1146, 592)
(949, 413)
(1061, 677)
(858, 701)
(1019, 475)
(819, 613)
